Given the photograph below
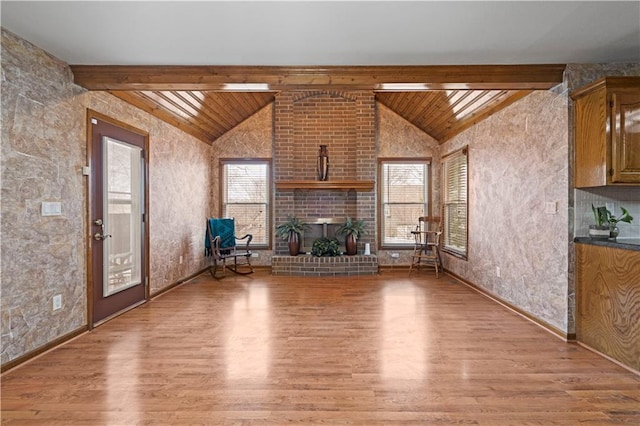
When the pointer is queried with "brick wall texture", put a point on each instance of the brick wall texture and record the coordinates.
(345, 122)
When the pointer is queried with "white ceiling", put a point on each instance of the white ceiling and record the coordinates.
(329, 33)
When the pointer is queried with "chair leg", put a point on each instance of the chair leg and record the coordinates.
(435, 266)
(213, 268)
(236, 266)
(413, 260)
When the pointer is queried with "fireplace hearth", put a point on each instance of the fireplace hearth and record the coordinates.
(312, 266)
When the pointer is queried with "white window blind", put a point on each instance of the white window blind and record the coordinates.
(454, 180)
(245, 197)
(404, 198)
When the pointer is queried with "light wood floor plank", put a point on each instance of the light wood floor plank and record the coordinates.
(263, 350)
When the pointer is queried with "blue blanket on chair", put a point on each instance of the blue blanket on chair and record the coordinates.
(225, 228)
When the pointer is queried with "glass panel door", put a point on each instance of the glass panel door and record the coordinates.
(123, 203)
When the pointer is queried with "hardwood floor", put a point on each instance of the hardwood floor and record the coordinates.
(263, 350)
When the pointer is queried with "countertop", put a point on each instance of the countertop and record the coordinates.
(621, 243)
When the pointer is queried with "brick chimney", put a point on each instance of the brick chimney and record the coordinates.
(345, 122)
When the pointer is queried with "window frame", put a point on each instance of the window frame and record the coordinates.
(269, 196)
(464, 151)
(426, 161)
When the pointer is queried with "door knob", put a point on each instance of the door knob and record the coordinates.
(98, 236)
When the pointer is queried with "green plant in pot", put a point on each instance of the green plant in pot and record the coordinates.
(290, 231)
(613, 221)
(599, 231)
(606, 223)
(352, 230)
(325, 247)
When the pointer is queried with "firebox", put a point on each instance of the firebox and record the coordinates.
(322, 227)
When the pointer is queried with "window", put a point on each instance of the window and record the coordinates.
(404, 186)
(454, 180)
(245, 197)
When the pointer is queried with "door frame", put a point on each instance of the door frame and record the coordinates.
(91, 114)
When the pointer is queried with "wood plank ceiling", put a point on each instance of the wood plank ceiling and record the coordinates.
(443, 114)
(205, 115)
(441, 100)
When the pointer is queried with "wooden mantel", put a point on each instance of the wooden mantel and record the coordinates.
(340, 185)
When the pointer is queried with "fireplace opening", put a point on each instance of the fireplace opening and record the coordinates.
(322, 227)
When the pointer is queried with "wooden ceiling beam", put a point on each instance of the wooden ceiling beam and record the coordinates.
(277, 78)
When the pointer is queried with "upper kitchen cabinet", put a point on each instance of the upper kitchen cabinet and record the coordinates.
(607, 133)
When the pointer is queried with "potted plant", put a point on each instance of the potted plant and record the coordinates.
(290, 231)
(325, 247)
(351, 229)
(613, 221)
(606, 223)
(600, 231)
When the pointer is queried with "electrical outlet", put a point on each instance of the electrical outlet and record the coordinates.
(395, 255)
(498, 271)
(181, 260)
(254, 255)
(57, 302)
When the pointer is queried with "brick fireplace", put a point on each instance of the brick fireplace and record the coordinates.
(345, 122)
(322, 227)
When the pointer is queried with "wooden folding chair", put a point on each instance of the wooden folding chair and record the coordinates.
(426, 249)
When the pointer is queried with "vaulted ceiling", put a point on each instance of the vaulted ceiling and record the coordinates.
(206, 115)
(443, 114)
(207, 102)
(444, 43)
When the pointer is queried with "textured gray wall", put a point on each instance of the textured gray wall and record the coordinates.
(518, 161)
(43, 150)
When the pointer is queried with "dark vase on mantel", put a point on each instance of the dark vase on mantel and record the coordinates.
(323, 163)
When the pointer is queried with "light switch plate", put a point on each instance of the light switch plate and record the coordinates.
(51, 208)
(550, 207)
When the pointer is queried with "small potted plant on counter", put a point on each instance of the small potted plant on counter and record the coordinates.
(351, 229)
(601, 230)
(606, 223)
(290, 231)
(613, 221)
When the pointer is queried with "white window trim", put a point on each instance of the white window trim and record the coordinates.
(381, 203)
(456, 155)
(266, 161)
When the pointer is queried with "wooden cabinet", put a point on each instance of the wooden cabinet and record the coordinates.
(607, 133)
(608, 301)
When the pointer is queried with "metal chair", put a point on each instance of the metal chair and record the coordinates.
(426, 250)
